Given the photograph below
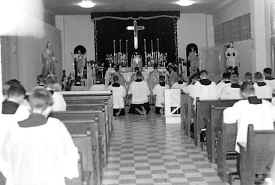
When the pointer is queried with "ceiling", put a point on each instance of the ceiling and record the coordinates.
(69, 7)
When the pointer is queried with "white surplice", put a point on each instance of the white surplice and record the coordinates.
(40, 155)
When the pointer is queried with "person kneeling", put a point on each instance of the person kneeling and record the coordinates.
(158, 92)
(139, 92)
(119, 93)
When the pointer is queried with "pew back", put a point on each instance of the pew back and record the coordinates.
(203, 114)
(187, 112)
(89, 98)
(258, 156)
(85, 136)
(225, 144)
(82, 116)
(212, 128)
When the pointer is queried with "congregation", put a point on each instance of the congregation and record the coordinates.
(31, 114)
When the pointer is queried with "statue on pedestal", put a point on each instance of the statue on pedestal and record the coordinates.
(80, 62)
(231, 56)
(136, 61)
(193, 59)
(48, 60)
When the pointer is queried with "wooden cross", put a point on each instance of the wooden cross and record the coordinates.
(135, 28)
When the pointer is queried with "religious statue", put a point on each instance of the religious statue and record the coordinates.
(231, 56)
(48, 60)
(193, 58)
(80, 62)
(136, 61)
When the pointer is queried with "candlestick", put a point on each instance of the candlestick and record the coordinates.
(152, 47)
(126, 48)
(158, 50)
(158, 44)
(120, 45)
(145, 45)
(114, 44)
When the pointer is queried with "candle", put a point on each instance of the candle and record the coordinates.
(114, 44)
(120, 45)
(152, 47)
(157, 44)
(158, 50)
(126, 47)
(145, 45)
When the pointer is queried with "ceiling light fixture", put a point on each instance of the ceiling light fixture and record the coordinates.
(86, 4)
(185, 2)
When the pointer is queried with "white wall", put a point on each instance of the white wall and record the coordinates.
(29, 51)
(198, 29)
(254, 54)
(22, 56)
(75, 30)
(245, 48)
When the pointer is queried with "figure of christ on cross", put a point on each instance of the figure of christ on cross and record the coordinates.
(135, 28)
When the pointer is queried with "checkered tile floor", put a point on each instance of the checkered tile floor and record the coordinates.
(145, 151)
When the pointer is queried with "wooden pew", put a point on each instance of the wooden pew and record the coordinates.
(85, 134)
(73, 98)
(226, 142)
(187, 112)
(89, 172)
(203, 114)
(94, 107)
(82, 116)
(212, 128)
(257, 157)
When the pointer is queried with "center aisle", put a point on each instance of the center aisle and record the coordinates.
(145, 151)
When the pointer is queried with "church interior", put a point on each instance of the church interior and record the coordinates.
(145, 89)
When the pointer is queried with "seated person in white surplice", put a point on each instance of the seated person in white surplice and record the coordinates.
(225, 82)
(251, 110)
(180, 84)
(231, 91)
(39, 150)
(269, 79)
(204, 89)
(262, 89)
(54, 87)
(139, 92)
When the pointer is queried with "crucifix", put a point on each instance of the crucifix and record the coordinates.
(135, 28)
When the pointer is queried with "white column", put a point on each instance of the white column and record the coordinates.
(1, 88)
(259, 34)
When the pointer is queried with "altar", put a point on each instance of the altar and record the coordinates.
(127, 72)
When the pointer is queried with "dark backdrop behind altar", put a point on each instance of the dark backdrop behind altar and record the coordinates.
(109, 29)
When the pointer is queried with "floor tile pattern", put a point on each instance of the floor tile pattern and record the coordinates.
(145, 151)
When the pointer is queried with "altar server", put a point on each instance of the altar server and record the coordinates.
(139, 92)
(233, 91)
(269, 79)
(153, 78)
(262, 89)
(158, 93)
(15, 97)
(190, 86)
(121, 78)
(119, 94)
(7, 85)
(248, 77)
(251, 110)
(173, 75)
(180, 84)
(54, 87)
(204, 89)
(224, 83)
(39, 150)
